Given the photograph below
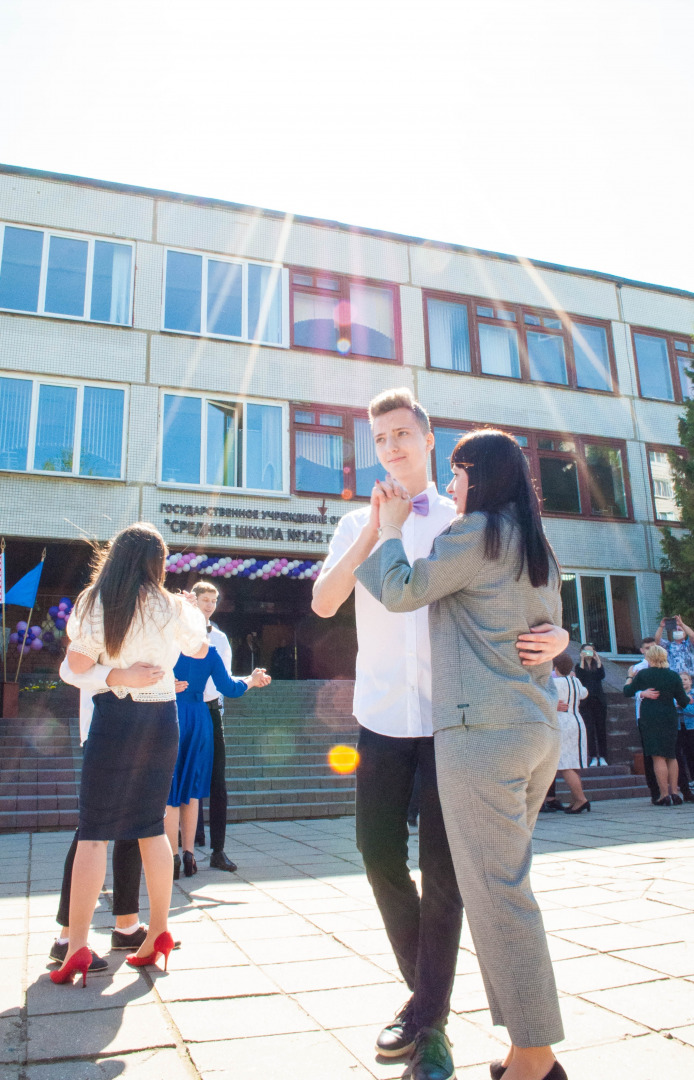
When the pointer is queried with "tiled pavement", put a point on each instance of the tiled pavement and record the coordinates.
(285, 971)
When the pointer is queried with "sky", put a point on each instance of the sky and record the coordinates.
(558, 130)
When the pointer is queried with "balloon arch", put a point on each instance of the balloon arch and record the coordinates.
(227, 566)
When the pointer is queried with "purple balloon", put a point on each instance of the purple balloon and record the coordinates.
(21, 626)
(53, 611)
(65, 600)
(36, 631)
(14, 638)
(36, 644)
(48, 637)
(60, 623)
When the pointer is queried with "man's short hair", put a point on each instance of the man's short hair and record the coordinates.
(648, 641)
(563, 663)
(204, 587)
(399, 399)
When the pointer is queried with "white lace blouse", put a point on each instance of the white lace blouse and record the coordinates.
(167, 626)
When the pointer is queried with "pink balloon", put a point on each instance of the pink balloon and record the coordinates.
(266, 577)
(21, 627)
(180, 564)
(37, 644)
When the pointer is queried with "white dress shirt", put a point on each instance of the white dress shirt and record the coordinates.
(637, 696)
(167, 626)
(91, 682)
(221, 643)
(392, 693)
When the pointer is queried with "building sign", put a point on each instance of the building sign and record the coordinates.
(183, 523)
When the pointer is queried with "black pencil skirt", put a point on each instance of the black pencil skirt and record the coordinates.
(129, 759)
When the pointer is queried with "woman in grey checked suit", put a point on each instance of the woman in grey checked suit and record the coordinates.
(491, 575)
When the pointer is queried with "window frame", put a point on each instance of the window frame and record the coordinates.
(533, 453)
(90, 239)
(229, 399)
(234, 260)
(660, 448)
(672, 354)
(37, 382)
(349, 415)
(606, 575)
(345, 280)
(567, 320)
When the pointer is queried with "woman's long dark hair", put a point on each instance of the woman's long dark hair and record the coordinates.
(132, 565)
(499, 479)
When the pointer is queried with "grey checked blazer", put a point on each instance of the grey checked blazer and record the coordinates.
(477, 609)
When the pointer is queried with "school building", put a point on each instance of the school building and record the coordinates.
(206, 366)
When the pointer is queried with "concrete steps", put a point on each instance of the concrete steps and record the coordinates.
(612, 782)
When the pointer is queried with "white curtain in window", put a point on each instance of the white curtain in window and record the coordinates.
(325, 450)
(499, 349)
(15, 406)
(120, 284)
(102, 432)
(449, 343)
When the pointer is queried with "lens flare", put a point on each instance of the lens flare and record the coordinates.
(343, 345)
(343, 759)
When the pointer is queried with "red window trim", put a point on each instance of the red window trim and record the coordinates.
(581, 441)
(346, 280)
(349, 415)
(661, 448)
(670, 339)
(567, 320)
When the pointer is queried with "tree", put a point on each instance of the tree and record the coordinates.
(678, 546)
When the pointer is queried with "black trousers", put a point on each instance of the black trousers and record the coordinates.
(424, 932)
(218, 787)
(594, 713)
(127, 870)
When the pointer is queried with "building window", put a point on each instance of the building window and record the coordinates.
(74, 430)
(662, 361)
(74, 277)
(662, 485)
(342, 315)
(574, 475)
(225, 298)
(514, 342)
(602, 609)
(217, 443)
(334, 453)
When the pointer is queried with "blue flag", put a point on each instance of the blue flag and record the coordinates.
(23, 593)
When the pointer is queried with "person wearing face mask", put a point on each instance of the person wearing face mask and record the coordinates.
(679, 645)
(590, 672)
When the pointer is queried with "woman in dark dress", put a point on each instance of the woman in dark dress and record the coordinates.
(193, 772)
(593, 709)
(658, 720)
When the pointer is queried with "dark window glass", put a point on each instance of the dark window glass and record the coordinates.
(606, 481)
(569, 606)
(181, 442)
(625, 612)
(559, 480)
(183, 292)
(684, 362)
(654, 367)
(224, 298)
(595, 619)
(67, 276)
(20, 272)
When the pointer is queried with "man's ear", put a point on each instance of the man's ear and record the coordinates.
(430, 440)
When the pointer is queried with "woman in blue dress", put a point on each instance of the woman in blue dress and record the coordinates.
(193, 771)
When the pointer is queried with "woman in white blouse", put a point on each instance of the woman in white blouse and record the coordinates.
(126, 615)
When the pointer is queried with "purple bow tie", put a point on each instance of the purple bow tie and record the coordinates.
(420, 504)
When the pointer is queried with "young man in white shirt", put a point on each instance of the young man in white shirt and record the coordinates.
(208, 596)
(392, 703)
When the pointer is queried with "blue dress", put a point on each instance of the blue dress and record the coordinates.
(193, 771)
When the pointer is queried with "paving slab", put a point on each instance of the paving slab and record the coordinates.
(240, 1019)
(657, 1005)
(315, 1054)
(146, 1065)
(111, 1031)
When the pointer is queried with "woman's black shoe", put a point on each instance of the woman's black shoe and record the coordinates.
(190, 866)
(497, 1069)
(578, 809)
(557, 1072)
(664, 801)
(177, 867)
(677, 800)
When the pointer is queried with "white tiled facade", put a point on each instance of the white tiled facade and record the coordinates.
(144, 359)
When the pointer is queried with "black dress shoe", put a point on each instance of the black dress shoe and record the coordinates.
(59, 952)
(220, 861)
(554, 805)
(557, 1072)
(397, 1038)
(128, 941)
(578, 809)
(177, 867)
(665, 801)
(497, 1069)
(432, 1059)
(677, 800)
(190, 866)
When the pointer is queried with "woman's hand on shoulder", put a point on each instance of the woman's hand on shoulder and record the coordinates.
(190, 597)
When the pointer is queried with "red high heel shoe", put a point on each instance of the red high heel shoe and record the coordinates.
(162, 946)
(79, 961)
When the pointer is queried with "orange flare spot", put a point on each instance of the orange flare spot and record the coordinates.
(343, 759)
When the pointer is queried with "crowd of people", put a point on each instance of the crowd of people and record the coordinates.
(458, 617)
